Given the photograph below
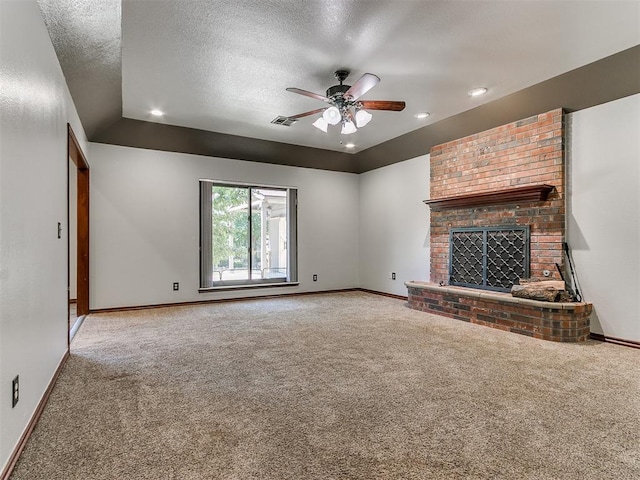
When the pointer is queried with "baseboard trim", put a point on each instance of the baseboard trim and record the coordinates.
(76, 326)
(618, 341)
(13, 459)
(239, 299)
(217, 300)
(384, 294)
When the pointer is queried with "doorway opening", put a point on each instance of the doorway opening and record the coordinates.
(77, 234)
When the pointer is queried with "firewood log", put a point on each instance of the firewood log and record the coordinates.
(566, 297)
(545, 294)
(557, 284)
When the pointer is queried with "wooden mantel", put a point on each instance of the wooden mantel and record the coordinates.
(527, 193)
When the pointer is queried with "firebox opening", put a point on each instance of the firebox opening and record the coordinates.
(490, 258)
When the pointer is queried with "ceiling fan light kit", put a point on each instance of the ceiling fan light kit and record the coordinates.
(321, 124)
(362, 118)
(345, 107)
(332, 115)
(348, 127)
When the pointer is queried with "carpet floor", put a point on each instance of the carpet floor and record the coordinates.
(332, 386)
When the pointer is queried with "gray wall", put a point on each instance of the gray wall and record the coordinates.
(394, 225)
(603, 214)
(144, 224)
(35, 107)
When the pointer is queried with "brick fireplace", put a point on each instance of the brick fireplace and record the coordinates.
(509, 177)
(524, 153)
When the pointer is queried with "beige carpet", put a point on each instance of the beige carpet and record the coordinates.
(339, 386)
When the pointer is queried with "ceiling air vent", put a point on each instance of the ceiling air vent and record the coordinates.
(284, 121)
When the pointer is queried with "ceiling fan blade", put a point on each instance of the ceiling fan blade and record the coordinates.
(306, 114)
(383, 105)
(308, 94)
(365, 83)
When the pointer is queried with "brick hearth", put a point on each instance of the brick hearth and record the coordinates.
(558, 322)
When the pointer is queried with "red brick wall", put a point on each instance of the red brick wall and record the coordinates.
(529, 151)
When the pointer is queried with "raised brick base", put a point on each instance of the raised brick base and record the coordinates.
(558, 322)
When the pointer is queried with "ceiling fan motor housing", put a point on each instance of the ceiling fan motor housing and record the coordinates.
(337, 91)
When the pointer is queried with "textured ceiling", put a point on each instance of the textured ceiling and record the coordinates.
(86, 37)
(223, 66)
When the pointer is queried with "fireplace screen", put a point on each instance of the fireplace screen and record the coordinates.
(492, 258)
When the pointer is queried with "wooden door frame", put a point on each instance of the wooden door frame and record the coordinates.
(74, 152)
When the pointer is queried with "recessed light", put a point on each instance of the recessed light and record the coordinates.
(350, 145)
(422, 115)
(156, 113)
(477, 91)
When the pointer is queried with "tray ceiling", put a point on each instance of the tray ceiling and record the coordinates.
(221, 67)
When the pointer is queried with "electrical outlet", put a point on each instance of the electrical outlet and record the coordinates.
(15, 391)
(393, 276)
(315, 277)
(176, 286)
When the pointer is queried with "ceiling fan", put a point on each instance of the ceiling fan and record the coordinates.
(345, 108)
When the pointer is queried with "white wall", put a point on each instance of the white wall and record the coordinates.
(603, 223)
(394, 225)
(35, 107)
(145, 223)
